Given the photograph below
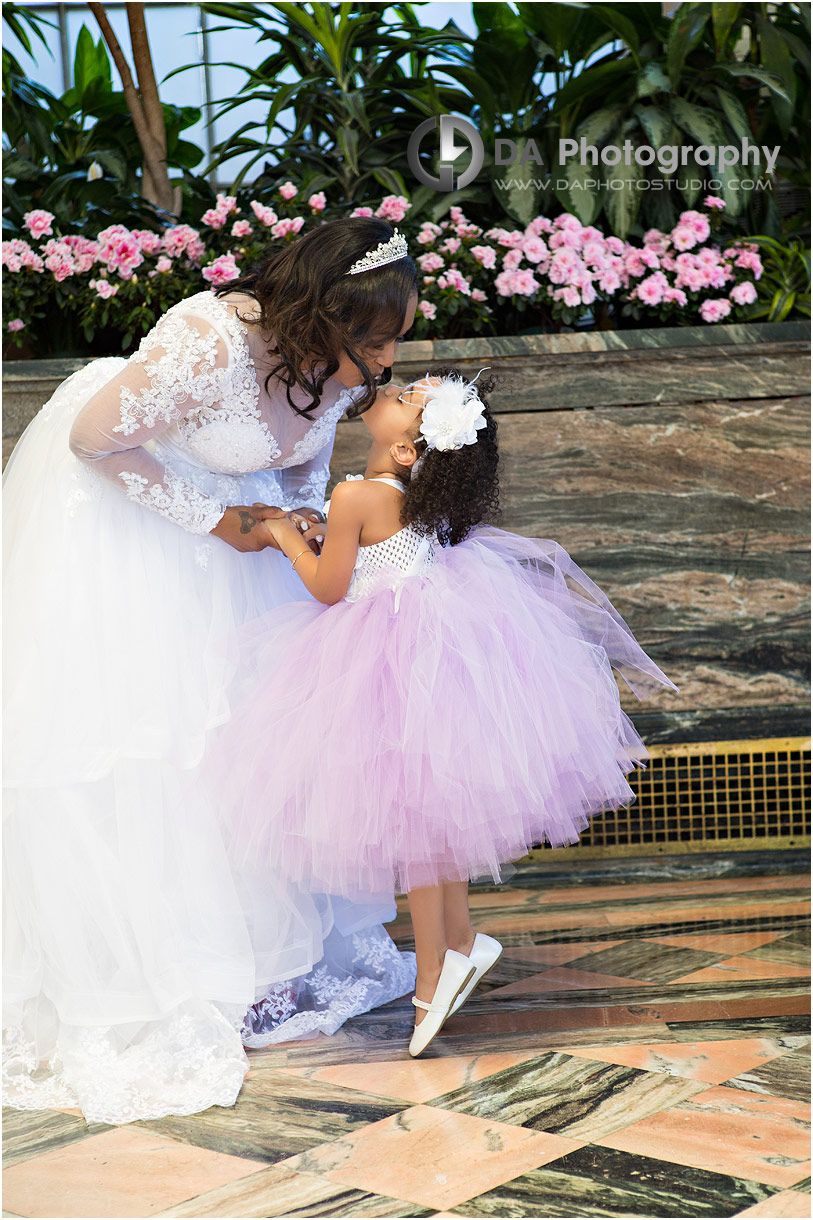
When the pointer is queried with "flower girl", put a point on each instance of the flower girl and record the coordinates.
(455, 681)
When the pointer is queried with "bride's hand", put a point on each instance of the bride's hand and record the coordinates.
(243, 527)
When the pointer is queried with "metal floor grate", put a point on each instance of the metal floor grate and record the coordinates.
(708, 795)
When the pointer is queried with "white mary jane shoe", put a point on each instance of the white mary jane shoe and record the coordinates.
(456, 972)
(485, 953)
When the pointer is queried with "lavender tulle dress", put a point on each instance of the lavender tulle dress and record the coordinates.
(461, 707)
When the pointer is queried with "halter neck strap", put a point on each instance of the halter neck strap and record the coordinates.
(396, 483)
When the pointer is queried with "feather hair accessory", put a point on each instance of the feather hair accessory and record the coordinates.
(452, 413)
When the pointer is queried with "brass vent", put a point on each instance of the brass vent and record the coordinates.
(709, 795)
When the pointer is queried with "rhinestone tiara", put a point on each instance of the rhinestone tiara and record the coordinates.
(386, 252)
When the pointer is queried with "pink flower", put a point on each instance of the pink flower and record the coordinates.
(467, 230)
(684, 237)
(691, 278)
(504, 283)
(227, 204)
(222, 270)
(430, 262)
(428, 310)
(524, 284)
(615, 245)
(287, 190)
(456, 215)
(568, 222)
(178, 238)
(697, 222)
(651, 289)
(711, 201)
(318, 202)
(454, 279)
(58, 259)
(512, 260)
(38, 223)
(650, 258)
(241, 228)
(538, 225)
(609, 282)
(364, 212)
(266, 216)
(451, 245)
(164, 264)
(195, 250)
(657, 241)
(16, 324)
(534, 249)
(149, 242)
(393, 207)
(714, 311)
(283, 227)
(563, 266)
(743, 294)
(568, 296)
(104, 289)
(750, 261)
(213, 218)
(512, 240)
(477, 294)
(17, 254)
(674, 296)
(486, 256)
(633, 262)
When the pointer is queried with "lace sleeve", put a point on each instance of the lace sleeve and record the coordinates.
(305, 485)
(182, 363)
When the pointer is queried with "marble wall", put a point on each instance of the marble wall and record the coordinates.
(678, 478)
(673, 464)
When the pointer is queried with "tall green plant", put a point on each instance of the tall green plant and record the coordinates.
(362, 84)
(712, 74)
(77, 155)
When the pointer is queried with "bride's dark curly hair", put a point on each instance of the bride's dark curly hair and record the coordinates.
(454, 490)
(315, 311)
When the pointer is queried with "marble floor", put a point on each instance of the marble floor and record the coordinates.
(642, 1050)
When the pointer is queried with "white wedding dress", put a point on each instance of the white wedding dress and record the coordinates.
(133, 947)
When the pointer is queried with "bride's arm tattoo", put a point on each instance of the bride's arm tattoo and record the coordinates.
(247, 522)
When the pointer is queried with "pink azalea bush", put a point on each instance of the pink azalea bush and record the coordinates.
(499, 280)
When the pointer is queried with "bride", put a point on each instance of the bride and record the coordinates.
(138, 959)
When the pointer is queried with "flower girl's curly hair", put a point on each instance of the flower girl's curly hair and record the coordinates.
(314, 310)
(454, 490)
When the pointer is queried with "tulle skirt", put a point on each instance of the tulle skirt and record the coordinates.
(133, 942)
(459, 721)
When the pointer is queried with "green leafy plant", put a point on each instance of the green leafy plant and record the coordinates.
(362, 84)
(77, 155)
(784, 288)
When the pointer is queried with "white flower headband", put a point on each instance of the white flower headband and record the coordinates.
(452, 412)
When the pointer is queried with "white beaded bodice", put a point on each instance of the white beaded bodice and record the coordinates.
(388, 564)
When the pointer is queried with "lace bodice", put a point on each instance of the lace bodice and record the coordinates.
(387, 564)
(188, 417)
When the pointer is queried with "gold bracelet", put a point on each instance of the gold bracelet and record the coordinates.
(294, 562)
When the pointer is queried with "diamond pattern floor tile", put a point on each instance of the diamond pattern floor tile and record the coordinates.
(643, 1049)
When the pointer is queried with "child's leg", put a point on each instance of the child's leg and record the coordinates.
(426, 908)
(456, 918)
